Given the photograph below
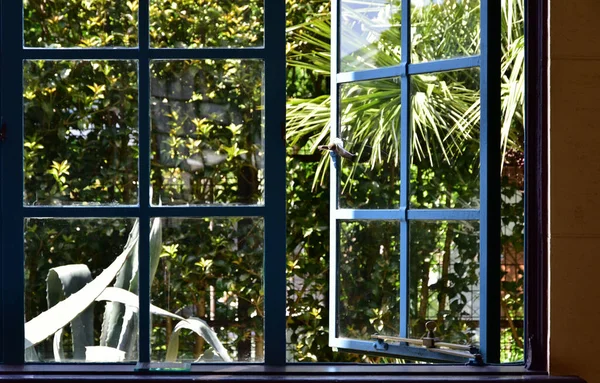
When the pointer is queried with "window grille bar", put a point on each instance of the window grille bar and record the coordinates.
(13, 329)
(275, 175)
(416, 68)
(444, 65)
(133, 211)
(132, 53)
(411, 214)
(404, 170)
(334, 231)
(490, 181)
(144, 181)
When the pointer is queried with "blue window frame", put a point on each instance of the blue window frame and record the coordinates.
(487, 214)
(14, 211)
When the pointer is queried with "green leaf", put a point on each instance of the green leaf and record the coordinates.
(200, 327)
(58, 316)
(61, 283)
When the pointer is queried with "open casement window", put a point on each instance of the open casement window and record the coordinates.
(432, 193)
(121, 140)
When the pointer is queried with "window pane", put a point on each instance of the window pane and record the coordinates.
(444, 29)
(369, 279)
(370, 130)
(444, 279)
(81, 132)
(445, 140)
(513, 184)
(61, 257)
(210, 276)
(207, 132)
(206, 23)
(80, 23)
(369, 34)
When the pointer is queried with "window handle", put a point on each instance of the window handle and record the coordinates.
(3, 132)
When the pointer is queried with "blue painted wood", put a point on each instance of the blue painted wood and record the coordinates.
(132, 53)
(132, 211)
(444, 65)
(12, 301)
(334, 185)
(413, 69)
(490, 181)
(144, 180)
(405, 173)
(275, 176)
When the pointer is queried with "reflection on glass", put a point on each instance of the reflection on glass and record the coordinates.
(206, 23)
(445, 140)
(207, 132)
(210, 277)
(444, 29)
(444, 279)
(370, 34)
(61, 257)
(81, 132)
(369, 129)
(369, 279)
(80, 23)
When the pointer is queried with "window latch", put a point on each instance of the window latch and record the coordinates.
(3, 132)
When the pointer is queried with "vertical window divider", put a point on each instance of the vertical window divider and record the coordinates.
(404, 169)
(144, 129)
(274, 263)
(333, 178)
(490, 247)
(1, 179)
(12, 302)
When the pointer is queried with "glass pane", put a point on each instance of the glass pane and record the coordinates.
(369, 279)
(61, 257)
(207, 132)
(369, 34)
(370, 131)
(81, 132)
(445, 140)
(444, 282)
(80, 23)
(206, 23)
(210, 276)
(513, 184)
(444, 29)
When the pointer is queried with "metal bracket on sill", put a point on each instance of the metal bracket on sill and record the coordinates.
(431, 343)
